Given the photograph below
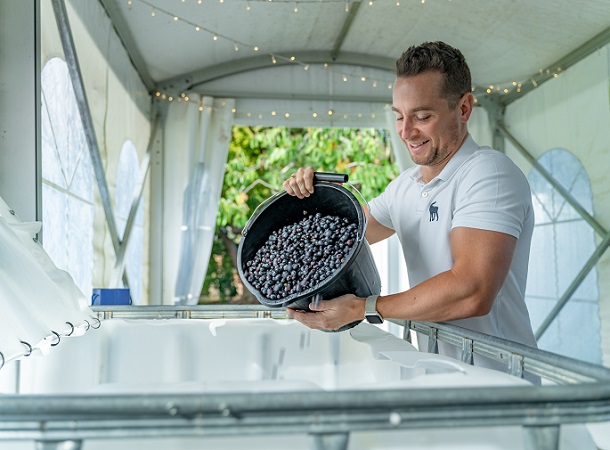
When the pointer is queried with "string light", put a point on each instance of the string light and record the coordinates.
(237, 45)
(184, 97)
(502, 88)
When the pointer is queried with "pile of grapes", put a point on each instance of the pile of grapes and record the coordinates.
(299, 256)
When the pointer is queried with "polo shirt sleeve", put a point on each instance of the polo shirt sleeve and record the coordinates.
(380, 206)
(493, 194)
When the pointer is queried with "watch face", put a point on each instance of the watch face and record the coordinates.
(374, 318)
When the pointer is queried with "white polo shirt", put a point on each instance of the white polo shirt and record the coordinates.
(479, 188)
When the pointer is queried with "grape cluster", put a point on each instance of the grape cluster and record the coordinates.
(299, 256)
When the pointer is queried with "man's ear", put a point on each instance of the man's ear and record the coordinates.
(465, 104)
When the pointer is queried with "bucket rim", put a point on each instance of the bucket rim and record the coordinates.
(340, 271)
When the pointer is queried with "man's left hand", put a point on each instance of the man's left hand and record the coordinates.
(329, 315)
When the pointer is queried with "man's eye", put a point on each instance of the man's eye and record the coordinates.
(398, 118)
(422, 118)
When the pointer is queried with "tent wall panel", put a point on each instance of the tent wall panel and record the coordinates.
(119, 104)
(573, 112)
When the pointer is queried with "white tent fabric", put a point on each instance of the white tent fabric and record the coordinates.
(120, 108)
(197, 141)
(37, 299)
(573, 112)
(570, 110)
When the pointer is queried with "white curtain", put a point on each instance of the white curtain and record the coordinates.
(197, 138)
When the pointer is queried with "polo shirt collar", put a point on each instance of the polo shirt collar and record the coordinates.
(466, 151)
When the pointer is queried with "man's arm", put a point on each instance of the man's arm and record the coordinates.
(375, 232)
(481, 263)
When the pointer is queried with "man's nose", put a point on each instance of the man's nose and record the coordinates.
(405, 128)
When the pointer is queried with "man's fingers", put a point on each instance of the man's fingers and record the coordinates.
(300, 183)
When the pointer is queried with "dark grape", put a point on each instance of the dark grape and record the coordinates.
(299, 256)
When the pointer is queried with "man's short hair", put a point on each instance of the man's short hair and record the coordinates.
(440, 57)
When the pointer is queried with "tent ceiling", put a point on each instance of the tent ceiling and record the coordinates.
(504, 41)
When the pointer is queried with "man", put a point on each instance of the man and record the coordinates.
(463, 214)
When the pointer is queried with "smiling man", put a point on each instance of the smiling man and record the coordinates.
(463, 214)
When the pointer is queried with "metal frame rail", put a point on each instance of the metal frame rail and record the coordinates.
(65, 421)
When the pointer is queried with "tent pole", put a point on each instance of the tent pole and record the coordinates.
(495, 111)
(590, 264)
(67, 42)
(599, 229)
(65, 33)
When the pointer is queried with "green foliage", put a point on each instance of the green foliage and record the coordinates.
(219, 279)
(260, 159)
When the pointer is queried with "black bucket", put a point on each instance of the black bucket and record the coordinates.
(357, 274)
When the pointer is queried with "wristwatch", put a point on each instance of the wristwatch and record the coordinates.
(370, 313)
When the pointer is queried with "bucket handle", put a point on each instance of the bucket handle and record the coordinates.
(329, 177)
(256, 212)
(343, 178)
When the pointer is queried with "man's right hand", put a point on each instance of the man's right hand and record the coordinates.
(300, 183)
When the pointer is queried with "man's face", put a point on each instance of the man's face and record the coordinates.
(431, 128)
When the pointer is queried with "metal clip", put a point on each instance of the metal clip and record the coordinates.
(467, 351)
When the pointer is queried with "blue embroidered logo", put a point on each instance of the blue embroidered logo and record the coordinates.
(433, 212)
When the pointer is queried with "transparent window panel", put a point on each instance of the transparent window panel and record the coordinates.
(561, 245)
(67, 177)
(128, 173)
